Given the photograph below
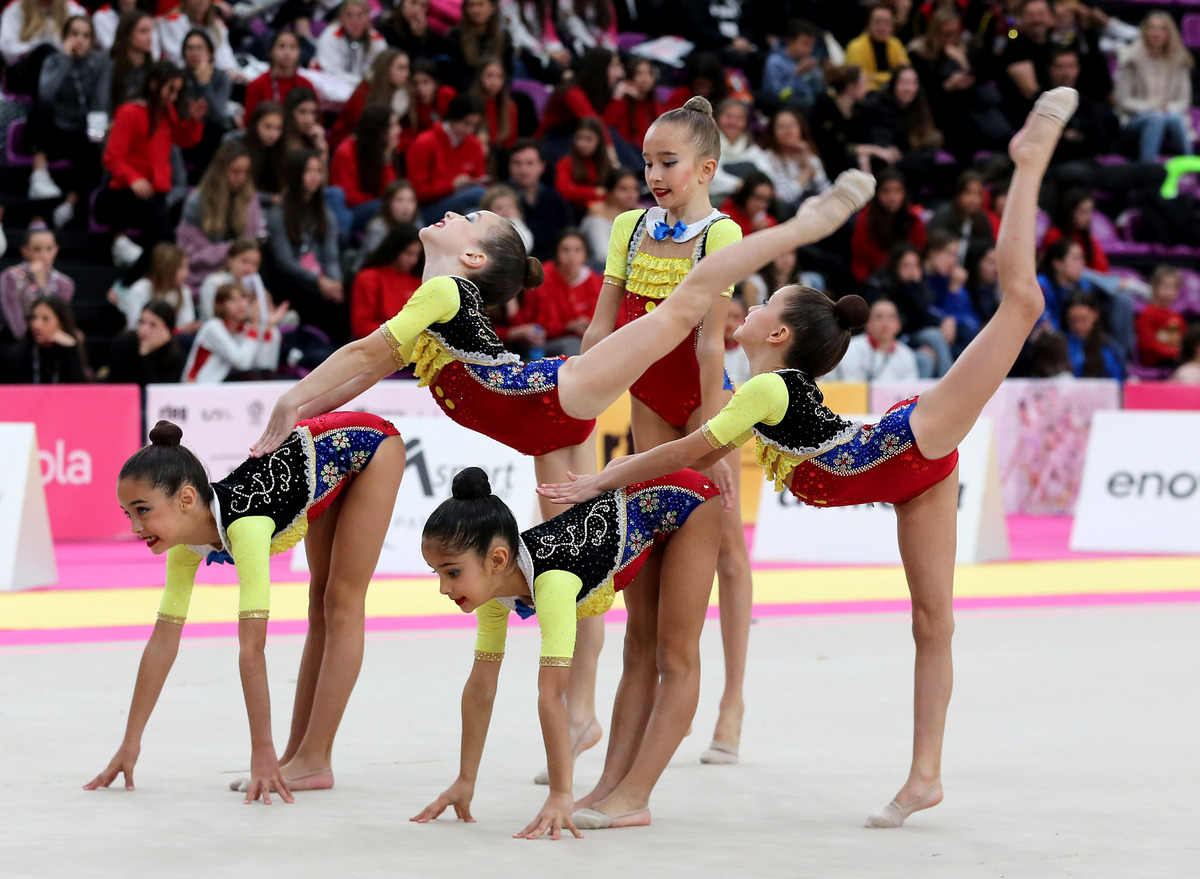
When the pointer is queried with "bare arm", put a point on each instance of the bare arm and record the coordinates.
(556, 733)
(604, 318)
(1024, 76)
(157, 659)
(252, 663)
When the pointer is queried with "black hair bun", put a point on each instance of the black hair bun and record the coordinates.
(470, 484)
(166, 434)
(852, 312)
(534, 275)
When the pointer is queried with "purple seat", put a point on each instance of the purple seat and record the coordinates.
(14, 152)
(1147, 373)
(537, 92)
(1111, 159)
(1041, 227)
(1189, 293)
(626, 42)
(1190, 28)
(1103, 230)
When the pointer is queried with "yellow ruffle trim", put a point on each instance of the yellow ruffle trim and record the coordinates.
(429, 357)
(289, 537)
(656, 277)
(777, 465)
(598, 602)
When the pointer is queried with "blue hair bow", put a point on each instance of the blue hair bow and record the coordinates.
(662, 230)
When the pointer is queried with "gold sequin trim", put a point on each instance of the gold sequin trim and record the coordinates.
(556, 661)
(484, 656)
(253, 614)
(394, 344)
(167, 618)
(707, 433)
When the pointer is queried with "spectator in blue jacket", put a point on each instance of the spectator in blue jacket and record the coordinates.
(792, 75)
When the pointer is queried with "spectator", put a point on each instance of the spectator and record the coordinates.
(407, 29)
(947, 279)
(222, 209)
(502, 200)
(1074, 220)
(703, 75)
(23, 284)
(397, 207)
(479, 35)
(107, 19)
(632, 111)
(983, 279)
(1044, 355)
(567, 298)
(284, 75)
(1081, 28)
(303, 233)
(348, 50)
(839, 141)
(782, 271)
(385, 85)
(362, 168)
(447, 165)
(263, 139)
(586, 96)
(877, 50)
(1093, 127)
(1160, 329)
(1025, 60)
(1092, 354)
(302, 128)
(737, 365)
(1061, 275)
(900, 130)
(792, 161)
(389, 277)
(1154, 88)
(740, 154)
(242, 264)
(752, 205)
(877, 354)
(546, 211)
(578, 174)
(965, 216)
(499, 113)
(1189, 369)
(232, 344)
(51, 352)
(191, 15)
(715, 26)
(587, 24)
(538, 52)
(887, 221)
(202, 81)
(431, 100)
(165, 279)
(138, 160)
(791, 76)
(74, 85)
(150, 354)
(133, 51)
(923, 327)
(623, 194)
(29, 31)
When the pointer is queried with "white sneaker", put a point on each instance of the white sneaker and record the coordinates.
(42, 186)
(64, 214)
(125, 252)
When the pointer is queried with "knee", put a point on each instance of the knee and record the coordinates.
(343, 607)
(677, 662)
(641, 644)
(932, 628)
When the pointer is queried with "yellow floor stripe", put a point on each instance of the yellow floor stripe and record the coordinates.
(418, 596)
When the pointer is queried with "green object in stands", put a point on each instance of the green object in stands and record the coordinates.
(1176, 167)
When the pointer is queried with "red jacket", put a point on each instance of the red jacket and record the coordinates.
(377, 296)
(1153, 351)
(343, 173)
(738, 216)
(1099, 260)
(565, 109)
(348, 118)
(492, 116)
(867, 255)
(271, 88)
(433, 163)
(555, 304)
(632, 118)
(578, 193)
(133, 153)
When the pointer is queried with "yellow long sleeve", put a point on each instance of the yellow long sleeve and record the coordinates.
(436, 301)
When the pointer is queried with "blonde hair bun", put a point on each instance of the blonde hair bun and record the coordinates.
(698, 104)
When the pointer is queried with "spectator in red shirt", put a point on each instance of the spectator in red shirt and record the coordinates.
(579, 174)
(430, 99)
(362, 168)
(887, 221)
(389, 277)
(138, 160)
(1160, 329)
(586, 96)
(499, 113)
(564, 304)
(632, 111)
(752, 204)
(447, 165)
(1074, 220)
(283, 76)
(386, 83)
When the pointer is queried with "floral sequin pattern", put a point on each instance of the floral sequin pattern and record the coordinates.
(342, 452)
(869, 447)
(517, 378)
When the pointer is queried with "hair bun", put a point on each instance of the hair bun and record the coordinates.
(698, 104)
(535, 276)
(166, 434)
(852, 312)
(471, 484)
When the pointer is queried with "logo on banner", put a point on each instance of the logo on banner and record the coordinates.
(63, 467)
(1180, 486)
(500, 477)
(255, 411)
(172, 413)
(216, 415)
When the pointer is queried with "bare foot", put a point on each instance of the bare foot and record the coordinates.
(297, 779)
(619, 803)
(1035, 142)
(895, 812)
(584, 736)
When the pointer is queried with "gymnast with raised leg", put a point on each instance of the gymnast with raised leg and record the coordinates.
(909, 459)
(311, 487)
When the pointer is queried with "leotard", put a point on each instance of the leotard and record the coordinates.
(825, 460)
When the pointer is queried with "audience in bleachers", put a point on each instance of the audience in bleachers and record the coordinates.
(51, 351)
(411, 111)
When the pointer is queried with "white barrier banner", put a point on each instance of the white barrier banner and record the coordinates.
(1141, 484)
(26, 548)
(789, 531)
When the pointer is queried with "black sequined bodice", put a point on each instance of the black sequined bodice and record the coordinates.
(587, 540)
(470, 331)
(808, 424)
(275, 485)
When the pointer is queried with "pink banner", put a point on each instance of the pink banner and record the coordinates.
(85, 433)
(1161, 395)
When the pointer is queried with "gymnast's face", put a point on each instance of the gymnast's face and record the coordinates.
(157, 520)
(461, 234)
(674, 172)
(465, 577)
(764, 322)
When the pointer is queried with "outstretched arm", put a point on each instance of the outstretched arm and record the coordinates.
(264, 763)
